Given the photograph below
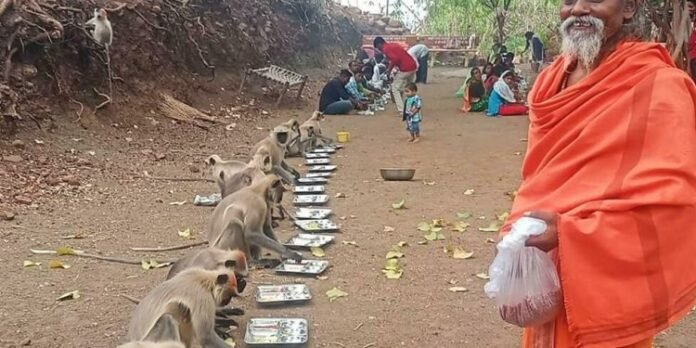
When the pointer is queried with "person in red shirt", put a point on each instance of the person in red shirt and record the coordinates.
(400, 58)
(691, 6)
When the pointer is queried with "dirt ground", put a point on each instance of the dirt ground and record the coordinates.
(112, 210)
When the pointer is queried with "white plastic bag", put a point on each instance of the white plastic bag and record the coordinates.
(523, 280)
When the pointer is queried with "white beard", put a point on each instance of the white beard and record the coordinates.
(583, 46)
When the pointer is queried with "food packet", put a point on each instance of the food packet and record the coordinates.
(523, 280)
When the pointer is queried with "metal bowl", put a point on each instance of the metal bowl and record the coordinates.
(397, 174)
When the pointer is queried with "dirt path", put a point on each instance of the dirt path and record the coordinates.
(458, 152)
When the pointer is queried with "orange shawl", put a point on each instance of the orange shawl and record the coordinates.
(615, 157)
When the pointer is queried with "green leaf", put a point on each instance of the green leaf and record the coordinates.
(318, 252)
(460, 226)
(57, 264)
(400, 205)
(424, 227)
(462, 254)
(464, 215)
(493, 227)
(335, 293)
(186, 234)
(393, 274)
(65, 250)
(28, 263)
(394, 255)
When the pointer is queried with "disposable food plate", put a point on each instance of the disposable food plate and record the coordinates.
(319, 180)
(312, 213)
(314, 189)
(306, 267)
(306, 240)
(323, 225)
(310, 199)
(276, 332)
(279, 294)
(324, 150)
(310, 155)
(322, 168)
(319, 175)
(314, 161)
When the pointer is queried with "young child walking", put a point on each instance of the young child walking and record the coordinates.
(412, 112)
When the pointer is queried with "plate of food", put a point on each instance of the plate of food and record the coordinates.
(310, 155)
(276, 331)
(323, 225)
(310, 199)
(278, 294)
(306, 240)
(307, 267)
(324, 150)
(314, 189)
(319, 175)
(312, 213)
(315, 161)
(322, 168)
(318, 180)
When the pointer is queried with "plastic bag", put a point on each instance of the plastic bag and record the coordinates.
(523, 280)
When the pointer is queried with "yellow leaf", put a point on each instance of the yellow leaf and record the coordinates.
(400, 205)
(392, 264)
(394, 255)
(389, 229)
(432, 236)
(335, 293)
(230, 342)
(185, 233)
(493, 227)
(458, 289)
(73, 295)
(462, 254)
(438, 223)
(503, 216)
(460, 226)
(349, 242)
(318, 252)
(448, 249)
(464, 215)
(178, 203)
(31, 264)
(65, 250)
(483, 276)
(424, 227)
(57, 264)
(469, 192)
(393, 274)
(152, 264)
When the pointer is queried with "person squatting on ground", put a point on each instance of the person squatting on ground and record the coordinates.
(412, 112)
(334, 99)
(398, 57)
(611, 168)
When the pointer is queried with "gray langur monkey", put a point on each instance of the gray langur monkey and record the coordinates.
(165, 332)
(242, 221)
(294, 146)
(233, 175)
(197, 291)
(104, 35)
(311, 132)
(276, 145)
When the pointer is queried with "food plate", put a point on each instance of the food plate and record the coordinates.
(312, 213)
(324, 150)
(276, 332)
(276, 294)
(323, 225)
(323, 168)
(308, 189)
(320, 180)
(310, 155)
(305, 240)
(307, 267)
(310, 199)
(314, 161)
(318, 175)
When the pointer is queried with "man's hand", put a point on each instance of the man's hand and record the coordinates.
(549, 239)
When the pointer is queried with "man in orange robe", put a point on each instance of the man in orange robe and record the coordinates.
(611, 168)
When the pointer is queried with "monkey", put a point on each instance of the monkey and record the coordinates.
(275, 144)
(242, 221)
(104, 35)
(294, 148)
(310, 132)
(198, 291)
(233, 175)
(165, 332)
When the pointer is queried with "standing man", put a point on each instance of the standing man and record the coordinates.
(537, 53)
(421, 53)
(398, 57)
(611, 168)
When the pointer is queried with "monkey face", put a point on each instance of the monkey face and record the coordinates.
(227, 288)
(282, 137)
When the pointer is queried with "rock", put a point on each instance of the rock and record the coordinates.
(23, 200)
(7, 215)
(194, 169)
(18, 144)
(13, 159)
(71, 180)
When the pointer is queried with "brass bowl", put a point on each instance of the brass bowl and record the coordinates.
(397, 174)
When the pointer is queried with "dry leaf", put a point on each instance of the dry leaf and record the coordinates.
(511, 194)
(423, 242)
(438, 223)
(57, 264)
(152, 264)
(400, 205)
(335, 293)
(483, 276)
(424, 227)
(493, 227)
(73, 295)
(322, 277)
(392, 264)
(460, 226)
(178, 203)
(458, 289)
(350, 242)
(340, 195)
(452, 282)
(464, 215)
(65, 250)
(462, 254)
(389, 229)
(503, 216)
(230, 342)
(393, 274)
(402, 244)
(318, 252)
(469, 192)
(428, 183)
(490, 241)
(394, 255)
(28, 263)
(517, 153)
(185, 233)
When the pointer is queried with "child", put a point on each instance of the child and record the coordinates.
(412, 115)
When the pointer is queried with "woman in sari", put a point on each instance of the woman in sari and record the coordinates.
(475, 98)
(502, 101)
(489, 78)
